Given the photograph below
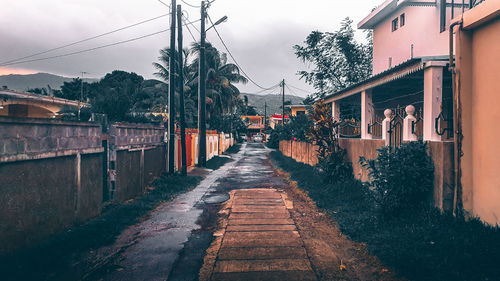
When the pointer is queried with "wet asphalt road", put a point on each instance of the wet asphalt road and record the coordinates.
(171, 243)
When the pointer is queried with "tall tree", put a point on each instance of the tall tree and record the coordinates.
(339, 60)
(115, 94)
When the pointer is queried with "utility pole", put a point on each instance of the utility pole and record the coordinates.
(81, 95)
(171, 100)
(202, 127)
(181, 92)
(283, 101)
(265, 114)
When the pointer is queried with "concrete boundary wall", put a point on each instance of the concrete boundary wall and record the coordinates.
(50, 178)
(54, 174)
(440, 152)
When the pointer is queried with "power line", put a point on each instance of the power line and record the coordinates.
(230, 54)
(187, 26)
(190, 5)
(95, 48)
(187, 18)
(83, 40)
(297, 88)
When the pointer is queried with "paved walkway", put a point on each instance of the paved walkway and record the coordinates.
(261, 241)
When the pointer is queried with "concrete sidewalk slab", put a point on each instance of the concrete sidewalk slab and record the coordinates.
(260, 240)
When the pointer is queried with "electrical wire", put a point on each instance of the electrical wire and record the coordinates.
(95, 48)
(195, 28)
(230, 54)
(299, 89)
(190, 5)
(187, 26)
(81, 41)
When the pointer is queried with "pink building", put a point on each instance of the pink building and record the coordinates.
(409, 96)
(406, 29)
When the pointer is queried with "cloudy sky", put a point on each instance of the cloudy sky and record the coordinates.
(259, 33)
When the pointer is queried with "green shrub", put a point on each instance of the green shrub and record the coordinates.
(278, 134)
(335, 168)
(402, 178)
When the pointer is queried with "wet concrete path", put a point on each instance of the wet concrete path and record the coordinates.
(261, 241)
(171, 242)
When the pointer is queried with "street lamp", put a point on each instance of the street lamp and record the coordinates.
(221, 20)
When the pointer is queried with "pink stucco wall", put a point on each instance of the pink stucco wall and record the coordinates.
(421, 29)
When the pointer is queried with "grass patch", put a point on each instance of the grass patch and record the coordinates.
(57, 253)
(233, 149)
(419, 246)
(216, 162)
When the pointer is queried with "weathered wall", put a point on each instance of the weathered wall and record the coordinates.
(356, 148)
(140, 157)
(128, 175)
(442, 157)
(441, 153)
(478, 68)
(50, 178)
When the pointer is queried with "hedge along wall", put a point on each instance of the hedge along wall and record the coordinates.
(50, 177)
(441, 153)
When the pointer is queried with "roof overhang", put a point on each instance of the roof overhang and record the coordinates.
(480, 14)
(13, 95)
(386, 9)
(399, 71)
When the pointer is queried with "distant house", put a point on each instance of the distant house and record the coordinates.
(255, 124)
(27, 105)
(277, 119)
(297, 109)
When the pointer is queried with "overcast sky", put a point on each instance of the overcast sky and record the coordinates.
(259, 33)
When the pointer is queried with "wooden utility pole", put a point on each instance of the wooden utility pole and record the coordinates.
(283, 101)
(265, 114)
(202, 127)
(171, 100)
(181, 92)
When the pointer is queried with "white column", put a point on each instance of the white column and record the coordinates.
(386, 123)
(336, 110)
(367, 112)
(433, 97)
(408, 135)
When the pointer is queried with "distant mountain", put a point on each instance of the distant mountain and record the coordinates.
(273, 102)
(39, 80)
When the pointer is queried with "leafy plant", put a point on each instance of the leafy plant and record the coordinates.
(324, 134)
(402, 178)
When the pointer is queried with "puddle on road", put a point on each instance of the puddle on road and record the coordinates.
(216, 198)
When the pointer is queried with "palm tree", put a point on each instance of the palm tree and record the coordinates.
(222, 94)
(190, 87)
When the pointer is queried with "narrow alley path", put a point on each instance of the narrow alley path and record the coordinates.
(237, 224)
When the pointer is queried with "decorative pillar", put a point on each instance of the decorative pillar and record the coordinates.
(433, 97)
(408, 134)
(336, 110)
(367, 112)
(386, 124)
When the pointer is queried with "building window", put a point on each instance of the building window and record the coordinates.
(390, 62)
(395, 24)
(402, 20)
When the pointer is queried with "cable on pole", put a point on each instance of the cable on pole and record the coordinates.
(190, 5)
(83, 40)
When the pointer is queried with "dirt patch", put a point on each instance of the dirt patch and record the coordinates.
(332, 255)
